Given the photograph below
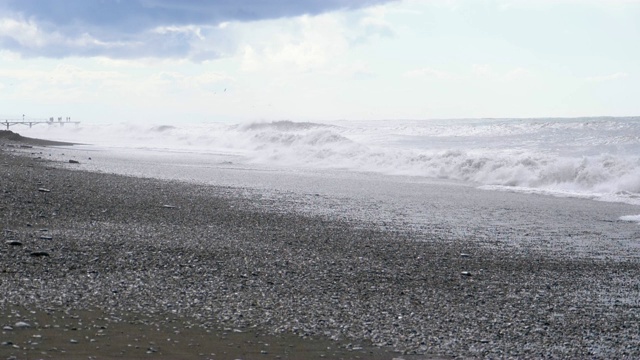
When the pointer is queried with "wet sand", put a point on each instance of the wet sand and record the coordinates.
(159, 269)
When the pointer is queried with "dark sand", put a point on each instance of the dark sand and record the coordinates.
(107, 266)
(12, 139)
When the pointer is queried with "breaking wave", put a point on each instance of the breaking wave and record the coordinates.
(590, 157)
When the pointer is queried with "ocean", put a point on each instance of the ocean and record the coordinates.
(595, 158)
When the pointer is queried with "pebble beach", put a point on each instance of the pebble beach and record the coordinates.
(97, 265)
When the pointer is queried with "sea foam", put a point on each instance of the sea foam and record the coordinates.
(585, 157)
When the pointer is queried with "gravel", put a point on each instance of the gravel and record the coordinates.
(216, 258)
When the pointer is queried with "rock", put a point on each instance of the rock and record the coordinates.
(74, 162)
(465, 255)
(465, 273)
(44, 190)
(73, 341)
(39, 253)
(46, 237)
(168, 206)
(6, 343)
(14, 243)
(7, 328)
(21, 325)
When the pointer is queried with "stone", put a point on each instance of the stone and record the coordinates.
(39, 253)
(21, 325)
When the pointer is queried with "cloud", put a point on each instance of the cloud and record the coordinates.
(140, 28)
(431, 73)
(482, 70)
(308, 44)
(605, 78)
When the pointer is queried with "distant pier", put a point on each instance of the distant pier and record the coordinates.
(30, 122)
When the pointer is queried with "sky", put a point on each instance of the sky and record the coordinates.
(172, 61)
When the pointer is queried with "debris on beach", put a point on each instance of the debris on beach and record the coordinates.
(74, 162)
(44, 190)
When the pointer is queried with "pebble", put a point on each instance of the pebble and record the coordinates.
(39, 254)
(21, 325)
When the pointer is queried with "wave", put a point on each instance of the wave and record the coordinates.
(634, 218)
(594, 158)
(282, 125)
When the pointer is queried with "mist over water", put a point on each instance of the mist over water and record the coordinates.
(596, 158)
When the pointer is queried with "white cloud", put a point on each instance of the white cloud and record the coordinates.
(140, 28)
(358, 69)
(193, 30)
(430, 72)
(517, 74)
(374, 23)
(308, 44)
(24, 32)
(482, 69)
(610, 77)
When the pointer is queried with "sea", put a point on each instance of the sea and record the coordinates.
(493, 179)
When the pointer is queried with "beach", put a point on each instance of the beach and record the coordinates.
(157, 268)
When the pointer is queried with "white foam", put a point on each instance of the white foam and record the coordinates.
(591, 158)
(635, 218)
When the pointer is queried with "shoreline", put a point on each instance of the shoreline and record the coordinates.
(154, 248)
(8, 135)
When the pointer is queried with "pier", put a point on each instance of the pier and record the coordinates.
(30, 122)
